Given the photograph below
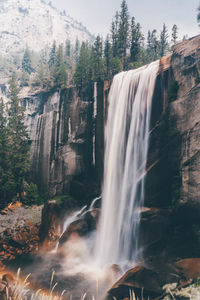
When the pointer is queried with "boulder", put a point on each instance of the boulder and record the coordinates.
(81, 227)
(51, 225)
(143, 282)
(189, 267)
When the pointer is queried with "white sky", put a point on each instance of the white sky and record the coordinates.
(97, 15)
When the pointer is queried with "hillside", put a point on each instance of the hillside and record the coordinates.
(36, 24)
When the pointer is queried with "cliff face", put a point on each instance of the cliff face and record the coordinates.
(67, 133)
(174, 152)
(60, 127)
(185, 117)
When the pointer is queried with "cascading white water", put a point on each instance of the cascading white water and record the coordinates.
(127, 137)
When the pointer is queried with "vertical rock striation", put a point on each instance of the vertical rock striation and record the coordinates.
(60, 127)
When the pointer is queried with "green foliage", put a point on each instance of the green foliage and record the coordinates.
(137, 39)
(31, 195)
(76, 51)
(63, 200)
(14, 153)
(52, 55)
(163, 41)
(198, 15)
(197, 282)
(116, 65)
(26, 62)
(24, 79)
(115, 35)
(173, 91)
(108, 59)
(123, 34)
(97, 60)
(7, 183)
(153, 46)
(82, 76)
(59, 70)
(174, 34)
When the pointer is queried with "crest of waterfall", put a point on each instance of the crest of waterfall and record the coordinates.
(127, 139)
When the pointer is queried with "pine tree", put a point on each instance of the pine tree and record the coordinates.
(198, 15)
(68, 48)
(7, 182)
(174, 34)
(163, 40)
(68, 55)
(82, 75)
(76, 51)
(137, 39)
(115, 35)
(26, 62)
(42, 75)
(108, 59)
(59, 69)
(116, 65)
(123, 32)
(97, 60)
(19, 140)
(153, 46)
(52, 55)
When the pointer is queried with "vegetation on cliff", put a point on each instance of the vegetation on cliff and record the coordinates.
(123, 49)
(14, 148)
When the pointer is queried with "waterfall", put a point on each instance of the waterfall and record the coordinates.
(127, 138)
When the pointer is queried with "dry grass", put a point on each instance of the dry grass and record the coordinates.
(20, 290)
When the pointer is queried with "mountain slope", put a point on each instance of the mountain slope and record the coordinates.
(35, 24)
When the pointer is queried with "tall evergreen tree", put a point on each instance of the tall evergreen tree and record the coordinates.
(26, 62)
(76, 51)
(137, 39)
(19, 140)
(52, 56)
(97, 60)
(7, 182)
(59, 69)
(153, 46)
(124, 40)
(174, 34)
(108, 58)
(163, 40)
(198, 15)
(68, 48)
(82, 75)
(115, 35)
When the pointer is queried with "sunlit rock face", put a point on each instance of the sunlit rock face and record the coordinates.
(60, 130)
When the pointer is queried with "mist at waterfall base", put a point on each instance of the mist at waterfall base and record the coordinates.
(102, 256)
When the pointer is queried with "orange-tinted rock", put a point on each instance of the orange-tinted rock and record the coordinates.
(141, 281)
(190, 267)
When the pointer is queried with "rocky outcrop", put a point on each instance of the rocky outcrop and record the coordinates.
(60, 127)
(81, 227)
(173, 178)
(172, 280)
(19, 231)
(174, 151)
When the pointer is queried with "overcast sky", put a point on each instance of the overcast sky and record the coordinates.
(97, 15)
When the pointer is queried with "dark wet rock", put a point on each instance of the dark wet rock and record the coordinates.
(81, 227)
(51, 225)
(174, 152)
(143, 282)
